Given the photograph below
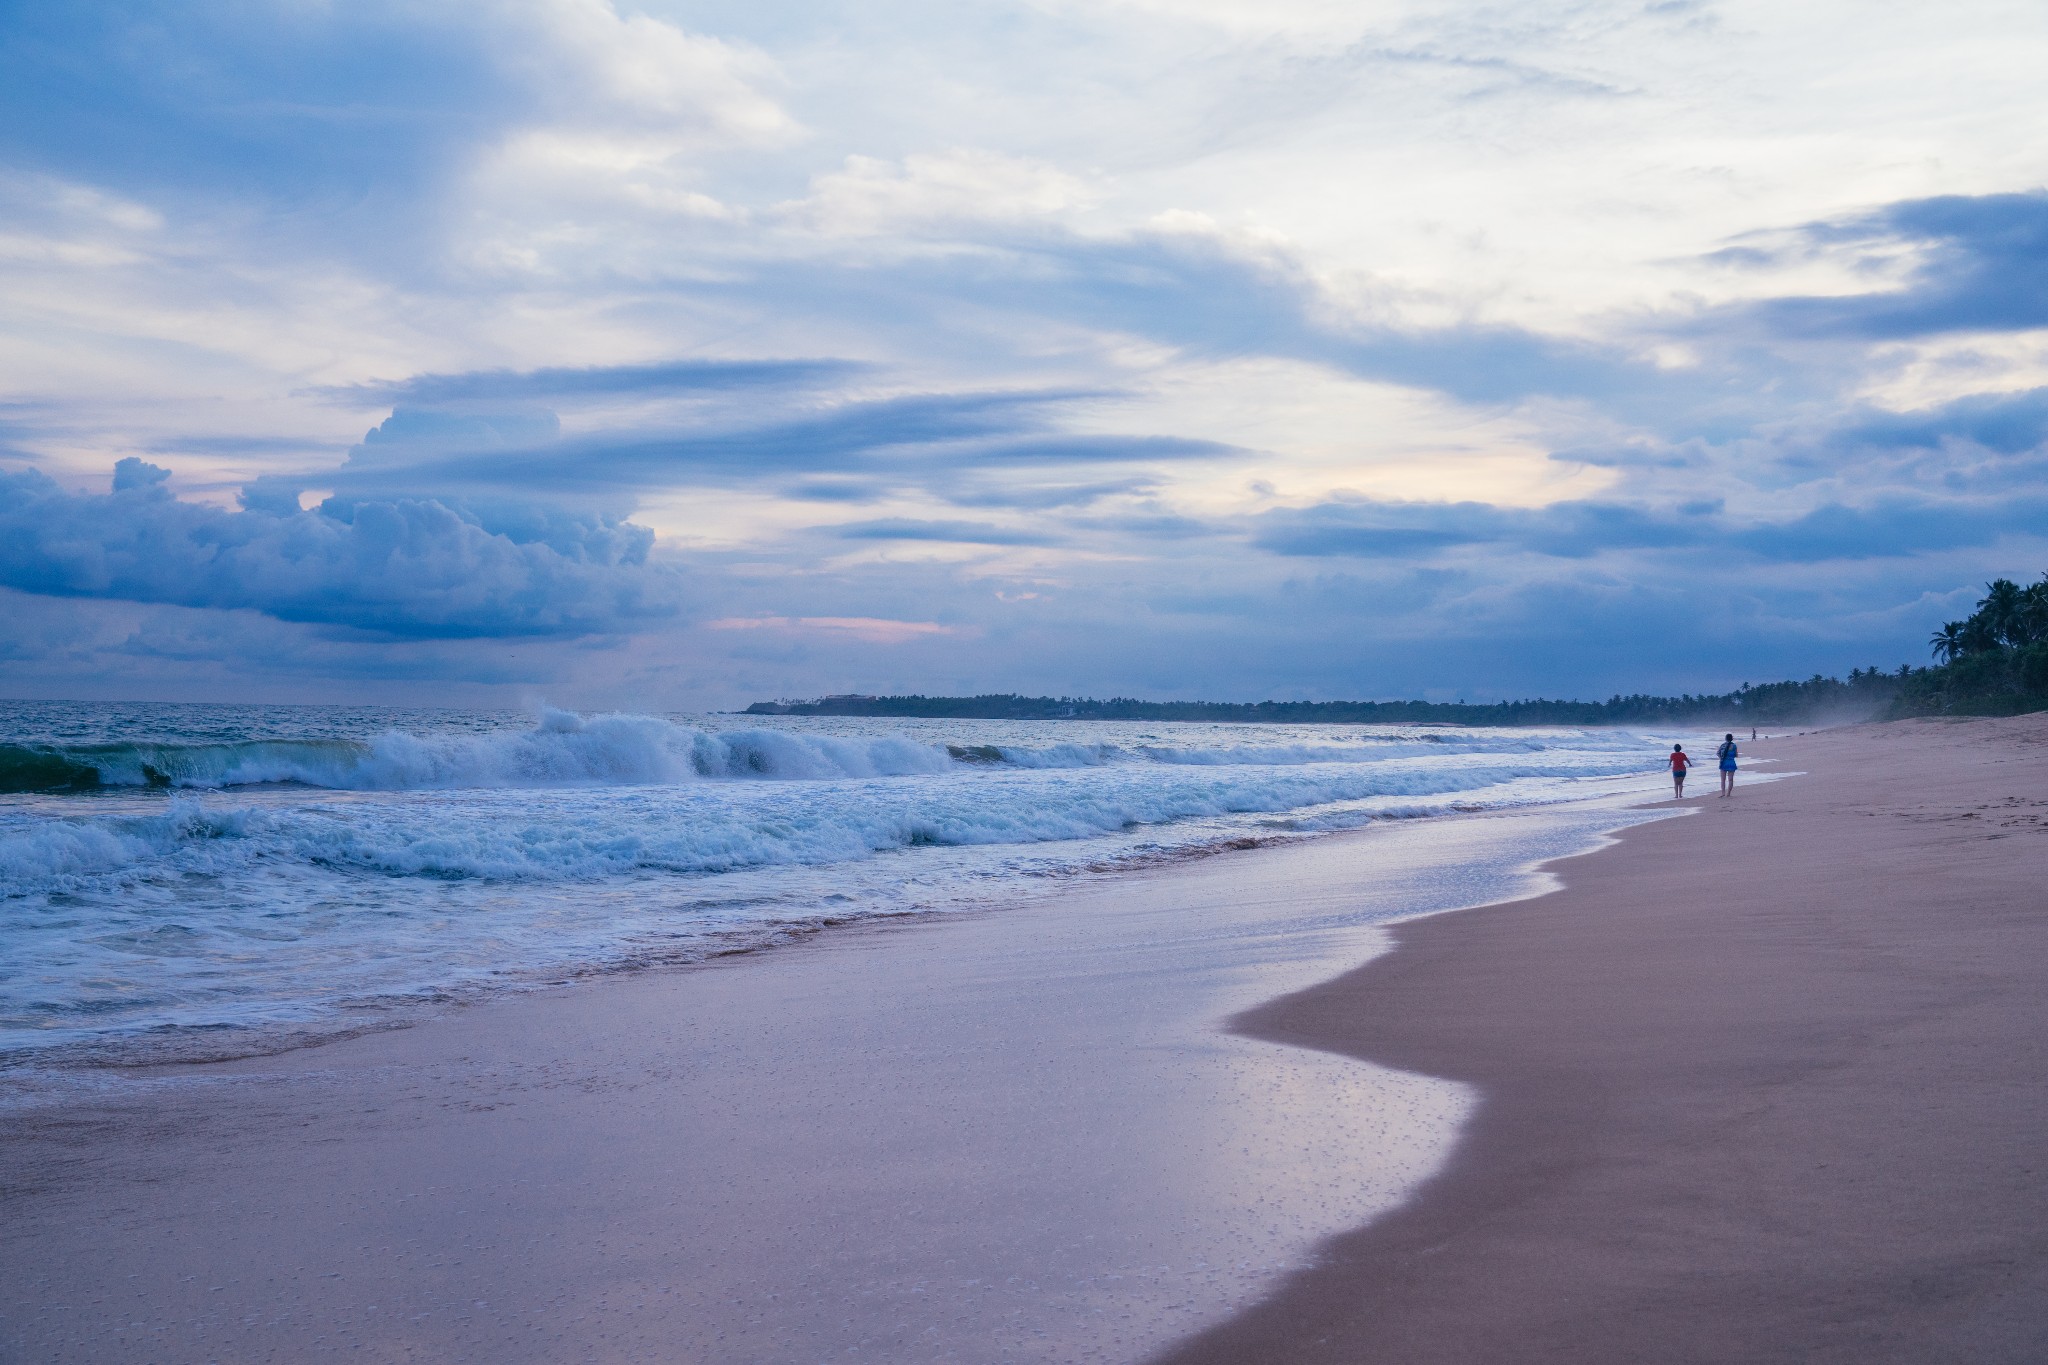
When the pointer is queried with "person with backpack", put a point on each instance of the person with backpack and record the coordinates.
(1679, 763)
(1726, 753)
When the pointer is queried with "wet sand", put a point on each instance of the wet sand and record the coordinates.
(1767, 1083)
(1022, 1135)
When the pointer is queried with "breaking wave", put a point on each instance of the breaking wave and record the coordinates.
(297, 861)
(565, 749)
(511, 838)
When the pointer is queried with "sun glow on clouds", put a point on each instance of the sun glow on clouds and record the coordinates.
(1162, 346)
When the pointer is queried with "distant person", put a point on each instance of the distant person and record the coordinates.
(1679, 763)
(1726, 753)
(1752, 734)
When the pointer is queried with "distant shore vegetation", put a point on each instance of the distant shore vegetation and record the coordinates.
(1993, 663)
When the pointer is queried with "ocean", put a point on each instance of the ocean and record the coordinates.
(184, 880)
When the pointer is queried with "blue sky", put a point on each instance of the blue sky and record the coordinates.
(681, 355)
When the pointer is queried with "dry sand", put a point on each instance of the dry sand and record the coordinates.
(1765, 1084)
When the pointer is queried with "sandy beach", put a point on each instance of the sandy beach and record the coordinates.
(1758, 1082)
(1764, 1084)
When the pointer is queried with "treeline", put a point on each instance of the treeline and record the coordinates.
(1993, 663)
(1864, 694)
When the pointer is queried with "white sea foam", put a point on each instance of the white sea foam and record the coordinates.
(408, 860)
(565, 749)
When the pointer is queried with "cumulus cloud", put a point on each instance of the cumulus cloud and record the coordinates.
(417, 568)
(594, 63)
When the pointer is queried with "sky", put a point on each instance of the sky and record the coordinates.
(681, 355)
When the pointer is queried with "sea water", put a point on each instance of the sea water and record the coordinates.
(193, 875)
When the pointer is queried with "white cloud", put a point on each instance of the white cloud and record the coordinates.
(869, 196)
(596, 66)
(626, 110)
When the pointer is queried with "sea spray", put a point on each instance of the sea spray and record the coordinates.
(288, 868)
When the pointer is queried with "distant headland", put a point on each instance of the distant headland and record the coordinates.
(1863, 694)
(1994, 663)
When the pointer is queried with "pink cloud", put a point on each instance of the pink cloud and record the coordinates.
(874, 629)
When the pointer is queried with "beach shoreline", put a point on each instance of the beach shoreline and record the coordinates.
(1166, 1116)
(1763, 1084)
(1018, 1135)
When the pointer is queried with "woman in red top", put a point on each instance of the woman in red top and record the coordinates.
(1679, 763)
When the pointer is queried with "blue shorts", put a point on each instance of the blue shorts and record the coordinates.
(1727, 765)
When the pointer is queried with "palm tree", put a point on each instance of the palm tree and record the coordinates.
(1998, 611)
(2031, 620)
(1948, 642)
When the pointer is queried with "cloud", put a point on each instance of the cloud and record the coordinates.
(293, 104)
(935, 191)
(1043, 496)
(926, 437)
(2006, 424)
(1892, 526)
(413, 568)
(596, 65)
(1143, 275)
(871, 629)
(1214, 295)
(659, 379)
(1565, 530)
(955, 532)
(1979, 264)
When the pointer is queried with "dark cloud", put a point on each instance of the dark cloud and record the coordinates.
(1043, 496)
(842, 451)
(665, 379)
(834, 490)
(1982, 266)
(1888, 527)
(2006, 424)
(1152, 525)
(240, 445)
(957, 532)
(347, 120)
(1565, 530)
(1894, 527)
(413, 568)
(1096, 450)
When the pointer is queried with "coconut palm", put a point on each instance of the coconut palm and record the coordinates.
(1998, 612)
(1948, 642)
(2031, 617)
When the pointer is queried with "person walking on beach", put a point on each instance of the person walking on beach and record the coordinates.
(1726, 753)
(1679, 763)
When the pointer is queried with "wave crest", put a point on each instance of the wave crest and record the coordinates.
(563, 749)
(566, 749)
